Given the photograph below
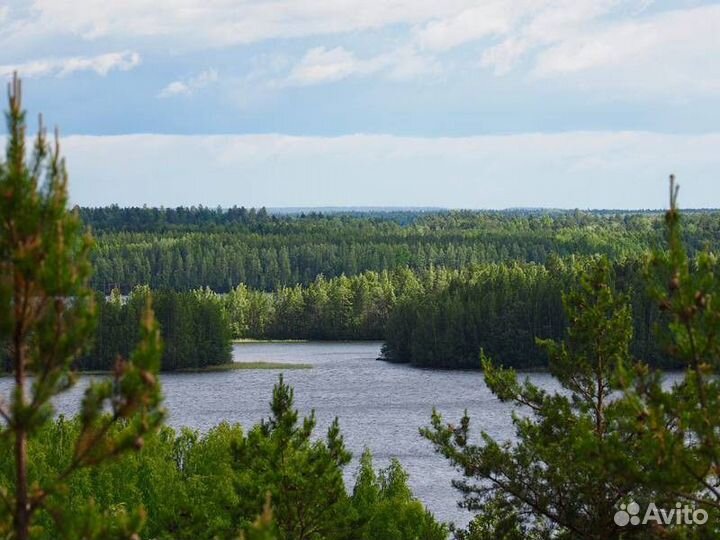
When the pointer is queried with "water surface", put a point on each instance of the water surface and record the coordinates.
(380, 405)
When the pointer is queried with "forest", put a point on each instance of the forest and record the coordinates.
(190, 248)
(614, 437)
(435, 286)
(433, 318)
(192, 326)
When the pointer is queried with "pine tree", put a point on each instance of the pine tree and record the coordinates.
(46, 321)
(302, 476)
(680, 421)
(572, 463)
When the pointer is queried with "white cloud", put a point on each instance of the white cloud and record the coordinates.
(409, 63)
(101, 64)
(610, 44)
(189, 86)
(503, 57)
(618, 44)
(613, 45)
(667, 53)
(573, 169)
(535, 22)
(202, 23)
(490, 18)
(532, 26)
(322, 65)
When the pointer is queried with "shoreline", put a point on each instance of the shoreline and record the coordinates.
(219, 368)
(239, 366)
(251, 341)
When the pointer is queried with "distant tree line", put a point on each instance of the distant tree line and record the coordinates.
(114, 218)
(439, 317)
(436, 286)
(144, 219)
(185, 249)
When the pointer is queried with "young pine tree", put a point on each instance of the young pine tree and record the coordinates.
(302, 476)
(571, 464)
(46, 321)
(680, 422)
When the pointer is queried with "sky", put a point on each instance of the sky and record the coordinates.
(458, 103)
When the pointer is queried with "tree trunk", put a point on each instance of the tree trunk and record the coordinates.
(22, 514)
(22, 510)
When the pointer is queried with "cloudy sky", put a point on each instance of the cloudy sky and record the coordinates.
(456, 103)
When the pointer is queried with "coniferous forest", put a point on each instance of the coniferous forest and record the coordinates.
(605, 302)
(190, 248)
(436, 287)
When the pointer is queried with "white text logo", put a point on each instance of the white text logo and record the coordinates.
(629, 514)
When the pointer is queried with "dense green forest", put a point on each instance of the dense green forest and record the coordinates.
(435, 286)
(434, 318)
(189, 248)
(192, 326)
(502, 310)
(439, 317)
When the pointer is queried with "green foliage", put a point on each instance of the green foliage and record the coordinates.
(263, 528)
(435, 318)
(193, 327)
(341, 308)
(501, 309)
(439, 317)
(571, 462)
(303, 477)
(501, 520)
(679, 422)
(490, 280)
(618, 431)
(188, 248)
(47, 317)
(385, 507)
(277, 481)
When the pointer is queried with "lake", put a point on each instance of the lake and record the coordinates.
(380, 405)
